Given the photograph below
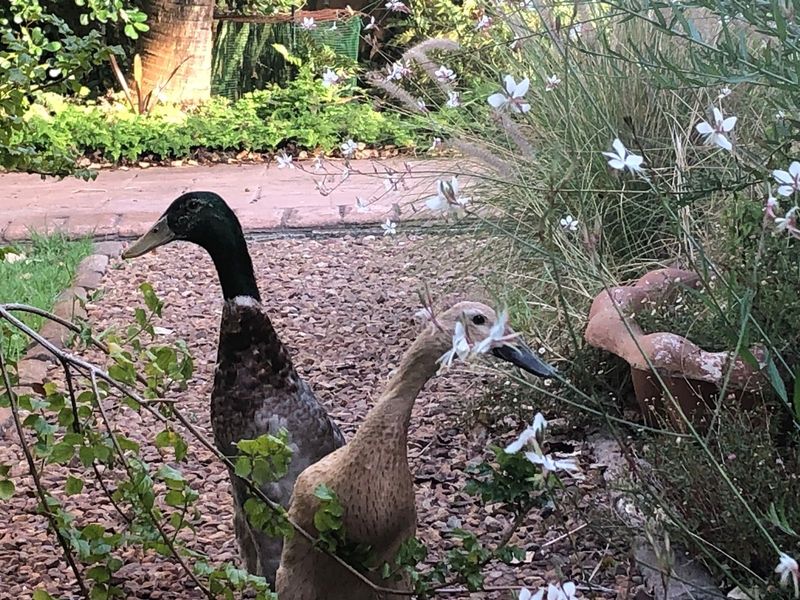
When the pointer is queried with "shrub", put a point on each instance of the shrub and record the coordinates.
(305, 113)
(655, 76)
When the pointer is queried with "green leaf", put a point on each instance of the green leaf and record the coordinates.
(323, 492)
(98, 573)
(776, 381)
(172, 477)
(174, 498)
(86, 454)
(796, 394)
(242, 467)
(6, 489)
(74, 485)
(61, 453)
(93, 532)
(150, 299)
(42, 595)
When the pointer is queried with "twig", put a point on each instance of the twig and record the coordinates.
(12, 396)
(565, 535)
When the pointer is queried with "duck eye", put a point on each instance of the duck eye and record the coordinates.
(479, 319)
(193, 205)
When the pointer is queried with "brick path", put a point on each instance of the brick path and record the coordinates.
(125, 203)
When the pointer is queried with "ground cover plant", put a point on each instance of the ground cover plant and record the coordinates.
(304, 114)
(35, 274)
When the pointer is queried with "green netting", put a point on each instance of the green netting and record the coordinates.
(244, 59)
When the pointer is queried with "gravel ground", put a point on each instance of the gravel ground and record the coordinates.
(345, 307)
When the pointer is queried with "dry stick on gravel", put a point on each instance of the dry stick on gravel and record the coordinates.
(94, 373)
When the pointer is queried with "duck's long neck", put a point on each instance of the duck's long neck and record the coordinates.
(386, 425)
(234, 265)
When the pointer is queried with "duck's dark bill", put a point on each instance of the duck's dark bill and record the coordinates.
(520, 355)
(158, 235)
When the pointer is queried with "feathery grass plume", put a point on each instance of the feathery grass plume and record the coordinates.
(419, 54)
(515, 133)
(483, 155)
(395, 91)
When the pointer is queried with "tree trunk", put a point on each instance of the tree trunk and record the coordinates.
(179, 29)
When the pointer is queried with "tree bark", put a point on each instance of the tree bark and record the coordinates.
(179, 29)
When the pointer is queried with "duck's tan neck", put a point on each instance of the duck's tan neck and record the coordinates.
(386, 425)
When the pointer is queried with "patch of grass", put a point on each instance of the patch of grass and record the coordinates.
(48, 268)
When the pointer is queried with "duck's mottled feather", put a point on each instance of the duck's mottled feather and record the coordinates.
(257, 391)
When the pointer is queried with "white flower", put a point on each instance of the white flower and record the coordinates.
(371, 24)
(526, 594)
(460, 347)
(789, 180)
(389, 227)
(512, 96)
(483, 23)
(550, 464)
(570, 224)
(788, 223)
(497, 335)
(569, 589)
(771, 207)
(12, 257)
(536, 430)
(437, 141)
(445, 75)
(453, 101)
(717, 133)
(308, 23)
(724, 93)
(789, 569)
(330, 78)
(552, 83)
(397, 6)
(348, 148)
(780, 115)
(362, 205)
(621, 159)
(397, 71)
(448, 197)
(284, 160)
(317, 164)
(421, 105)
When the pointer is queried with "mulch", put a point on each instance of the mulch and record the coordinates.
(345, 306)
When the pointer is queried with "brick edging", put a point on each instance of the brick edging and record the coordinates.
(35, 364)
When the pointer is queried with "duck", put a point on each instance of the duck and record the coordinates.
(257, 389)
(370, 476)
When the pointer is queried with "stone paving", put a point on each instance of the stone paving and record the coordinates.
(124, 203)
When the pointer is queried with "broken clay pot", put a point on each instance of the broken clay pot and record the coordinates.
(692, 376)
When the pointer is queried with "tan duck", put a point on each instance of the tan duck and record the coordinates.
(371, 476)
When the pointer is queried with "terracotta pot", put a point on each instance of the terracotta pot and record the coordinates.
(692, 375)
